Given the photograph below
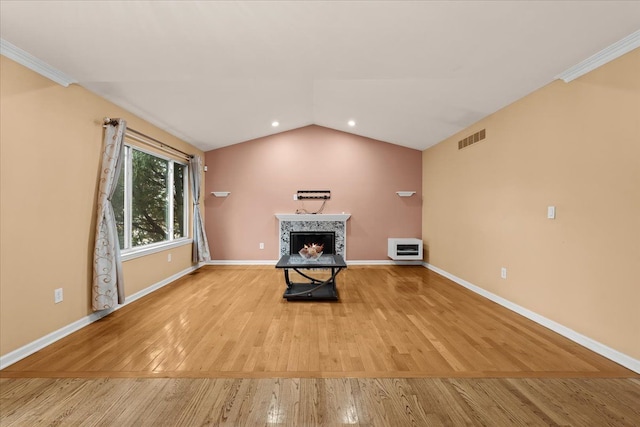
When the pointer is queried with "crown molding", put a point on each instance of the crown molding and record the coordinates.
(31, 62)
(619, 48)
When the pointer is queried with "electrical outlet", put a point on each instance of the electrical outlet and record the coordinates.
(295, 197)
(261, 245)
(169, 258)
(503, 272)
(57, 296)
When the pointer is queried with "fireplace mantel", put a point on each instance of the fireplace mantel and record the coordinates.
(313, 217)
(314, 222)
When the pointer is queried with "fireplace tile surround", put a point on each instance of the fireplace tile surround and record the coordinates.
(314, 222)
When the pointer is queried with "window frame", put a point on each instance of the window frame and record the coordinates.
(130, 252)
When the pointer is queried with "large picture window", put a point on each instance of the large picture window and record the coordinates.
(150, 200)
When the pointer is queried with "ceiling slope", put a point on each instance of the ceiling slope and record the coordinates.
(409, 73)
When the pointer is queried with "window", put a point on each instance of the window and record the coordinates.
(150, 200)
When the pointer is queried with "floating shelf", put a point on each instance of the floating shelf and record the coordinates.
(405, 193)
(221, 193)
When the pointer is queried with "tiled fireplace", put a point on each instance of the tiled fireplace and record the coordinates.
(314, 222)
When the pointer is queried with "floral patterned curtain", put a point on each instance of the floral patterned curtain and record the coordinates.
(108, 285)
(200, 243)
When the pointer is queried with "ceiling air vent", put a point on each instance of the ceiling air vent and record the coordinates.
(472, 139)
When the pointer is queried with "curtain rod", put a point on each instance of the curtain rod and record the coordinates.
(113, 122)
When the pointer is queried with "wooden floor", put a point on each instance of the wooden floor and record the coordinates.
(403, 345)
(320, 401)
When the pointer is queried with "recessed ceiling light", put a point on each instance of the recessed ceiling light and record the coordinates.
(275, 124)
(351, 123)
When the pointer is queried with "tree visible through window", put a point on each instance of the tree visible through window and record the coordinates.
(179, 175)
(149, 201)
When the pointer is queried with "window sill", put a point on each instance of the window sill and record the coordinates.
(130, 254)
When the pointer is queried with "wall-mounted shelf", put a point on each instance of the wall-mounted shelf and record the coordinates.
(405, 193)
(221, 193)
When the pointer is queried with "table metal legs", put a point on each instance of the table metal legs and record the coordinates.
(314, 289)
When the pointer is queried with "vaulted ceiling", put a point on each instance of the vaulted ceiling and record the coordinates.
(409, 73)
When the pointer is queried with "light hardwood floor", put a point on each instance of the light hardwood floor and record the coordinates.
(402, 344)
(321, 401)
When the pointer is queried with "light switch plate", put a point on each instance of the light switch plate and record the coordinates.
(57, 295)
(551, 212)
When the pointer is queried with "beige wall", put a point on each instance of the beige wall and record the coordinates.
(51, 141)
(573, 145)
(362, 174)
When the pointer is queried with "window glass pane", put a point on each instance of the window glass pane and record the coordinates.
(179, 172)
(149, 199)
(118, 206)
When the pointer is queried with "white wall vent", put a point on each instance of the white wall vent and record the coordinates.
(404, 249)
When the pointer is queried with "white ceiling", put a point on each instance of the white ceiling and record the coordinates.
(409, 73)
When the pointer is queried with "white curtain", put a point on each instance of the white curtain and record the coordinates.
(200, 244)
(108, 286)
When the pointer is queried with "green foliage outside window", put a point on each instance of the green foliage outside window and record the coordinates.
(149, 199)
(179, 174)
(149, 209)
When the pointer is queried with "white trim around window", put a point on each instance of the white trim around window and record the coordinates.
(141, 251)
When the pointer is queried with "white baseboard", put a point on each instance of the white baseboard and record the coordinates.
(593, 345)
(146, 291)
(383, 262)
(242, 262)
(608, 352)
(275, 261)
(27, 350)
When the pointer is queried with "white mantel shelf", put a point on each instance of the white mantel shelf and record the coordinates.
(313, 217)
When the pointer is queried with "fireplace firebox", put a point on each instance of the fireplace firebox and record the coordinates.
(300, 238)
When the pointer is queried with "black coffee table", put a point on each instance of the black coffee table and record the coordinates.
(314, 289)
